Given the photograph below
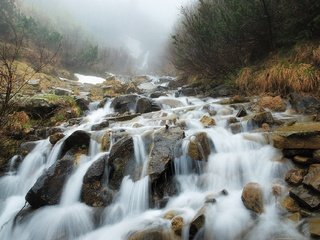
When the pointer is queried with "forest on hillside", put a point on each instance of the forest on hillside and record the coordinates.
(217, 39)
(33, 33)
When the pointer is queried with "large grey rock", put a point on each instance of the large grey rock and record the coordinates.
(160, 167)
(304, 104)
(125, 103)
(199, 147)
(48, 188)
(120, 161)
(258, 119)
(93, 193)
(62, 91)
(78, 139)
(146, 105)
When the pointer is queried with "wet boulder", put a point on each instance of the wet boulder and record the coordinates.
(304, 104)
(26, 148)
(78, 139)
(54, 138)
(124, 103)
(93, 193)
(295, 176)
(297, 136)
(153, 234)
(160, 166)
(103, 102)
(242, 112)
(106, 141)
(146, 105)
(120, 162)
(252, 197)
(199, 147)
(207, 121)
(134, 103)
(48, 188)
(306, 198)
(197, 223)
(157, 94)
(258, 119)
(100, 126)
(177, 225)
(82, 103)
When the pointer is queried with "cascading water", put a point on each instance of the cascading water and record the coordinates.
(234, 160)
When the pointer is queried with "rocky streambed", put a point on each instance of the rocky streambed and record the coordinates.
(169, 167)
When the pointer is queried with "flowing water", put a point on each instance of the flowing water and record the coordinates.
(235, 159)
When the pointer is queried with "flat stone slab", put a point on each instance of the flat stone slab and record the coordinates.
(297, 136)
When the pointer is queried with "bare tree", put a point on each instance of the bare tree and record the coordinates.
(12, 79)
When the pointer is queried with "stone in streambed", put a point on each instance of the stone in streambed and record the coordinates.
(160, 167)
(314, 227)
(93, 193)
(252, 197)
(177, 225)
(78, 139)
(297, 136)
(54, 138)
(197, 223)
(295, 176)
(48, 188)
(121, 155)
(199, 147)
(312, 179)
(306, 198)
(207, 121)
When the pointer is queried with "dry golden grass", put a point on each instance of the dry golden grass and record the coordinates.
(282, 75)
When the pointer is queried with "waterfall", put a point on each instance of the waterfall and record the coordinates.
(234, 160)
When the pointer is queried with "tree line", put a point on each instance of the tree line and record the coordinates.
(216, 37)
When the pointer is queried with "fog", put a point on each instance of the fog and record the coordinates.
(141, 26)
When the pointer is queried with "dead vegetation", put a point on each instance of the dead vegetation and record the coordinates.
(297, 71)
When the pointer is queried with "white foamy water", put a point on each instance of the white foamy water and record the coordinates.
(235, 160)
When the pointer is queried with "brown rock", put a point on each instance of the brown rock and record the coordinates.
(252, 197)
(207, 121)
(170, 215)
(290, 204)
(295, 217)
(302, 160)
(297, 136)
(177, 225)
(56, 137)
(314, 227)
(105, 141)
(273, 103)
(152, 234)
(305, 198)
(197, 223)
(312, 179)
(242, 112)
(199, 147)
(316, 155)
(295, 176)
